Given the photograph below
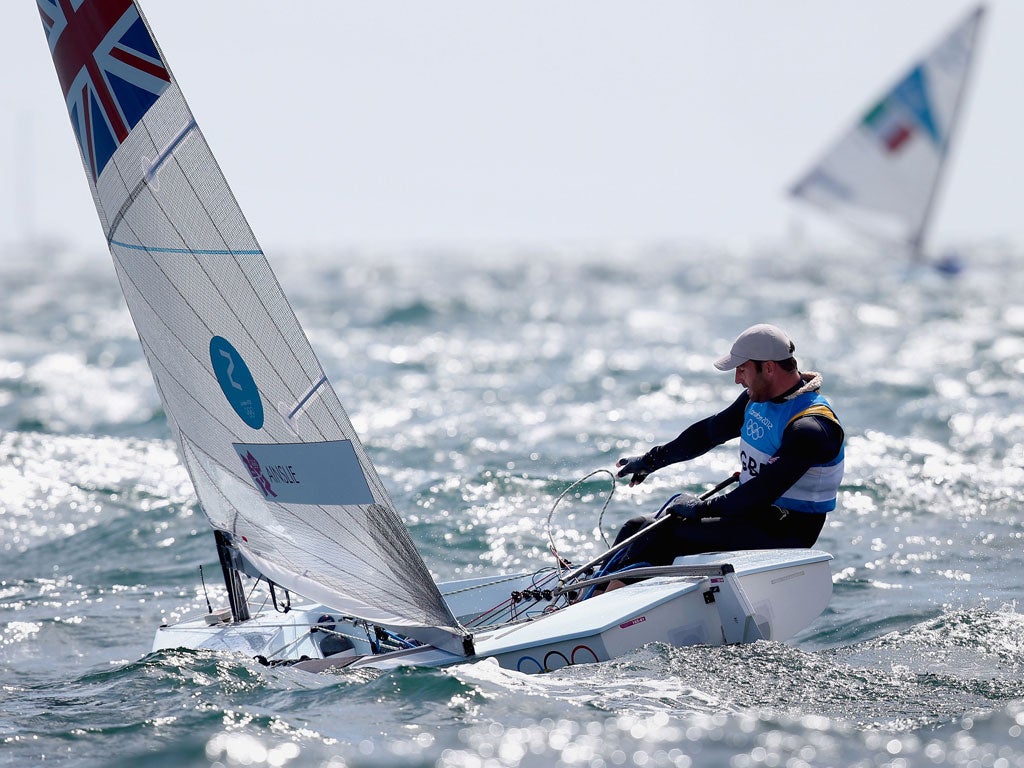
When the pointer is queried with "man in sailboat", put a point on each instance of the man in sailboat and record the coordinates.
(791, 461)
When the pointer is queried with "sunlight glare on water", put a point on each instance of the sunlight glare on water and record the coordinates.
(483, 386)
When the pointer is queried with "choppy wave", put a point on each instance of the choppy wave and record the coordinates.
(484, 387)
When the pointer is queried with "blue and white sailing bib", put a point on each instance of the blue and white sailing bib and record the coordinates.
(761, 437)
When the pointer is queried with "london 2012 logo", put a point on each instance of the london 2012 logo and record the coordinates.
(236, 382)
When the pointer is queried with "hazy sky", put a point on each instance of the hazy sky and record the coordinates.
(464, 122)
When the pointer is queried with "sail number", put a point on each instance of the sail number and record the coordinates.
(236, 382)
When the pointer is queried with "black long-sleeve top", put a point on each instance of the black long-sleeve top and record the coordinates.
(806, 441)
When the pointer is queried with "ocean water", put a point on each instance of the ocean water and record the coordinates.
(483, 384)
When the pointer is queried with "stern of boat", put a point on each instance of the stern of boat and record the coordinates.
(787, 589)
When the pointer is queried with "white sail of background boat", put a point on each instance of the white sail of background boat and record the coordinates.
(288, 488)
(882, 176)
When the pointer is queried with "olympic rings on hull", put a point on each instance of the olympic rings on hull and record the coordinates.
(581, 654)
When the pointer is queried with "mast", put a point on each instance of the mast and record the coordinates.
(916, 243)
(230, 565)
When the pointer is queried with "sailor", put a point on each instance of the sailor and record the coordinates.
(791, 461)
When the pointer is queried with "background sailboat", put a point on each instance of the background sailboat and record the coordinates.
(882, 176)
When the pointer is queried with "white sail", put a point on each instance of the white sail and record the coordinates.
(881, 176)
(273, 456)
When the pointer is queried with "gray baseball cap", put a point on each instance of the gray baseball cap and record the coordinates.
(758, 342)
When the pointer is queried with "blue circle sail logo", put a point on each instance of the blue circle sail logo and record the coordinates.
(236, 382)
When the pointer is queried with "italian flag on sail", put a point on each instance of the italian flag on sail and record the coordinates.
(890, 125)
(905, 111)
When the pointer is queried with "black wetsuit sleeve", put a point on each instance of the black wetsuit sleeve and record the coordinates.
(701, 437)
(809, 440)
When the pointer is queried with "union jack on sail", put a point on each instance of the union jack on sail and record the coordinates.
(109, 69)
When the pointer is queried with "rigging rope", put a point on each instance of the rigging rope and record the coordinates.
(561, 564)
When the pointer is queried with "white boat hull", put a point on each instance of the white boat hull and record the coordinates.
(766, 594)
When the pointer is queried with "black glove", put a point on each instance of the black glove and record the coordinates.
(685, 508)
(636, 466)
